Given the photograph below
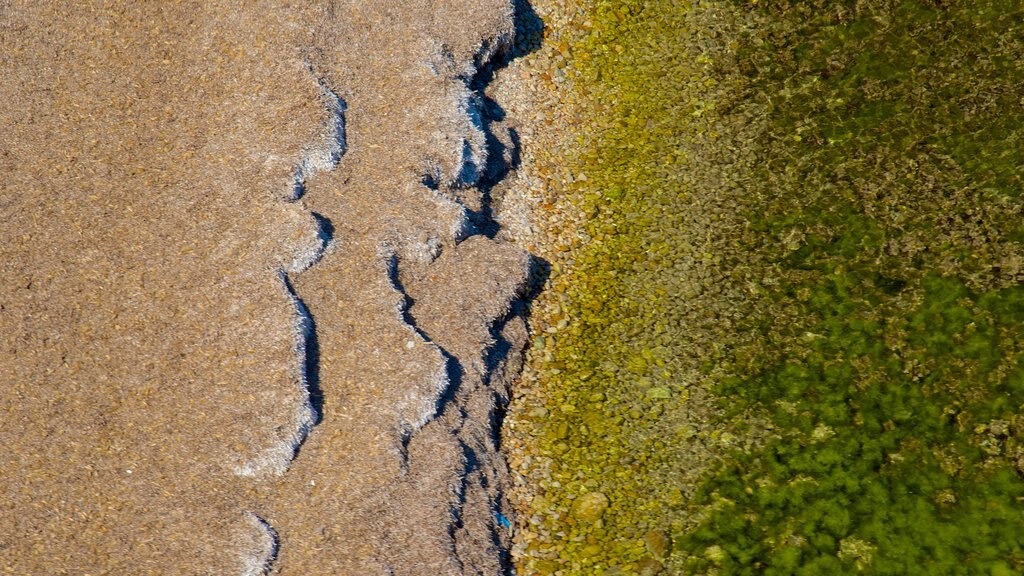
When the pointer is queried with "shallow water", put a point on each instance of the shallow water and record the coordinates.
(788, 338)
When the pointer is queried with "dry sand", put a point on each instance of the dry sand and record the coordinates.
(170, 171)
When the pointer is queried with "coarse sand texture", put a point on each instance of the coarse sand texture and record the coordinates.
(255, 314)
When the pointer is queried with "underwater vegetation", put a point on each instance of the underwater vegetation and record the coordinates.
(797, 315)
(890, 359)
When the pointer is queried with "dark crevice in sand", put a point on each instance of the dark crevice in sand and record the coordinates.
(277, 458)
(322, 156)
(500, 348)
(308, 350)
(471, 464)
(432, 178)
(453, 368)
(503, 156)
(326, 156)
(311, 362)
(269, 544)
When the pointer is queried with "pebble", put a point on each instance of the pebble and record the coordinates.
(658, 543)
(649, 567)
(590, 506)
(659, 393)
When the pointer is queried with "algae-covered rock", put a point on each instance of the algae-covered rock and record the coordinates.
(715, 554)
(649, 567)
(546, 566)
(659, 393)
(658, 543)
(590, 507)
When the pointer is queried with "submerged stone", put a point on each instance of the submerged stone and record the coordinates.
(658, 543)
(649, 567)
(659, 393)
(590, 507)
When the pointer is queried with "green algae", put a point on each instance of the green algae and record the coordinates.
(901, 427)
(625, 414)
(845, 283)
(892, 363)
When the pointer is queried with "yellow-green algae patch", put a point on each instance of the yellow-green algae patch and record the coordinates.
(641, 307)
(788, 340)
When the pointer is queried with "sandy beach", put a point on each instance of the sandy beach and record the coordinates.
(254, 313)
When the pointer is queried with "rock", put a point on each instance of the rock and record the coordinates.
(649, 567)
(715, 554)
(546, 566)
(592, 549)
(590, 507)
(659, 393)
(658, 543)
(538, 412)
(538, 343)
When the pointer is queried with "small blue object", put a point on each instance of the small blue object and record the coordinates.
(502, 520)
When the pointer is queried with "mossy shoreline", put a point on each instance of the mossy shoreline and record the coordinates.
(788, 340)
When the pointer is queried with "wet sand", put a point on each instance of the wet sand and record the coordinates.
(254, 316)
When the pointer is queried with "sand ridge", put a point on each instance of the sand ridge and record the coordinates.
(429, 475)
